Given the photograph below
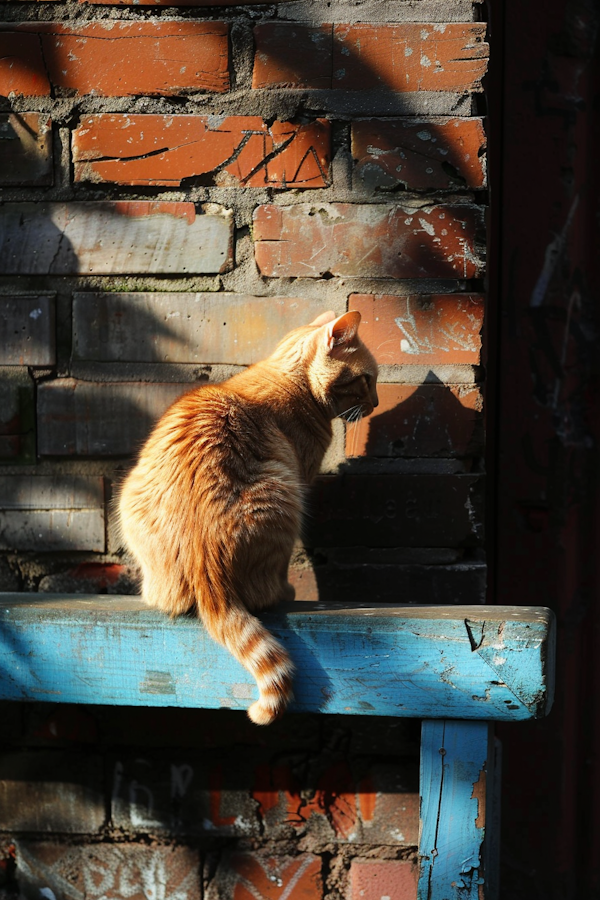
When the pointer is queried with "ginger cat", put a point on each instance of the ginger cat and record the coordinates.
(214, 505)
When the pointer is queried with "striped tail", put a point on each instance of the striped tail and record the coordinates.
(256, 649)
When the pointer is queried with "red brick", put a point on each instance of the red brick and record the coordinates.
(383, 879)
(237, 150)
(111, 871)
(420, 420)
(422, 329)
(247, 876)
(410, 57)
(401, 58)
(440, 154)
(372, 241)
(113, 58)
(25, 149)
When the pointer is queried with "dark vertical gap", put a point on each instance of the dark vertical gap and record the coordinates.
(494, 11)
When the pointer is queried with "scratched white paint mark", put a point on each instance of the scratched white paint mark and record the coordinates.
(552, 255)
(425, 61)
(35, 313)
(424, 135)
(181, 778)
(427, 226)
(242, 691)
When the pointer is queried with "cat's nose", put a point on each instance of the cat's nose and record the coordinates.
(375, 401)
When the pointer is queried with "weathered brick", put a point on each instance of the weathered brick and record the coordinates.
(146, 237)
(422, 329)
(355, 573)
(113, 58)
(420, 420)
(52, 512)
(376, 879)
(80, 418)
(198, 794)
(25, 149)
(394, 510)
(110, 871)
(17, 415)
(422, 154)
(242, 875)
(240, 151)
(51, 791)
(365, 804)
(91, 578)
(372, 241)
(399, 58)
(179, 2)
(184, 327)
(293, 55)
(27, 330)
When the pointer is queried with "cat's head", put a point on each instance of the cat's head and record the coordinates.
(340, 370)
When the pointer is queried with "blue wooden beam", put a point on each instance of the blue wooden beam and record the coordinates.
(427, 662)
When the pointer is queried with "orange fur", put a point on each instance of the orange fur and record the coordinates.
(213, 507)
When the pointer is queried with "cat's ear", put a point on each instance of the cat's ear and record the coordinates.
(340, 333)
(324, 318)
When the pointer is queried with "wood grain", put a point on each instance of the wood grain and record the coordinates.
(430, 662)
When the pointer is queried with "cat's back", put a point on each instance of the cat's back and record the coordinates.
(219, 432)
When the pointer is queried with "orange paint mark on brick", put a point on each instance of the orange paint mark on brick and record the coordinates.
(139, 209)
(102, 573)
(271, 784)
(215, 782)
(367, 799)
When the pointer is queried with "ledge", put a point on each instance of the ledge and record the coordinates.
(462, 662)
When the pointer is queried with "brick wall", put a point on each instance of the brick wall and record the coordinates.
(180, 186)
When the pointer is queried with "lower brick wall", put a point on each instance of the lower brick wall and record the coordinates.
(198, 804)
